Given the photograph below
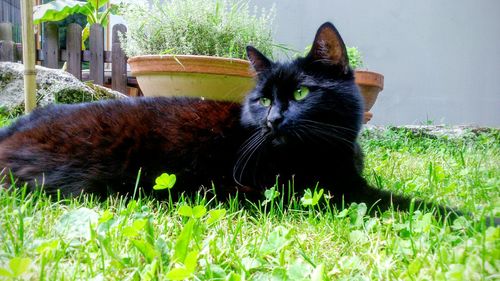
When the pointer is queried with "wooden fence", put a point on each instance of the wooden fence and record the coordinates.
(51, 54)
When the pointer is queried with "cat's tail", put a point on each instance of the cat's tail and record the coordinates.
(380, 200)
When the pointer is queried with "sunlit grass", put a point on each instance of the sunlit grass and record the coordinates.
(462, 172)
(143, 239)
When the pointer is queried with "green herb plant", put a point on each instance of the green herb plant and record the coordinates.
(196, 27)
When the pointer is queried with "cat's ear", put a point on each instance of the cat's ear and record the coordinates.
(259, 62)
(328, 47)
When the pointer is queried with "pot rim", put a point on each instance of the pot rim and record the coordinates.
(369, 78)
(155, 64)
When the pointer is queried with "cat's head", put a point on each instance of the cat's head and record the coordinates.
(308, 99)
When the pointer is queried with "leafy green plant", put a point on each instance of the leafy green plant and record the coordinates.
(165, 181)
(196, 27)
(354, 55)
(311, 198)
(60, 9)
(270, 194)
(15, 269)
(4, 119)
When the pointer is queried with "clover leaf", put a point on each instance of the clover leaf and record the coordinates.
(164, 181)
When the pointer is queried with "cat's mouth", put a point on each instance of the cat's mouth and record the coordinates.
(278, 140)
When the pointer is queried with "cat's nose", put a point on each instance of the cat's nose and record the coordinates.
(273, 121)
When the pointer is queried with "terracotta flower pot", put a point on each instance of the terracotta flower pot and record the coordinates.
(201, 76)
(370, 85)
(219, 78)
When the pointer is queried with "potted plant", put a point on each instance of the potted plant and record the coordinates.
(194, 47)
(370, 83)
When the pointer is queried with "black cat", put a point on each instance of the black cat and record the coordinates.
(300, 123)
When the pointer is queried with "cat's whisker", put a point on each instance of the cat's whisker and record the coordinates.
(296, 132)
(334, 136)
(332, 133)
(333, 129)
(327, 136)
(307, 134)
(254, 141)
(329, 125)
(247, 148)
(253, 144)
(240, 168)
(250, 157)
(252, 136)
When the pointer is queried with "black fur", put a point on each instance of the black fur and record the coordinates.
(100, 147)
(313, 140)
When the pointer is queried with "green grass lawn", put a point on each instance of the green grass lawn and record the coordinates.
(143, 239)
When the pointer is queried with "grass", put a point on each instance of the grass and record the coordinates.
(4, 120)
(143, 239)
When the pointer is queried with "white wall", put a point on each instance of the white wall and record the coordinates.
(440, 59)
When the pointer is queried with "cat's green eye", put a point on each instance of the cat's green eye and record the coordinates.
(301, 93)
(265, 102)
